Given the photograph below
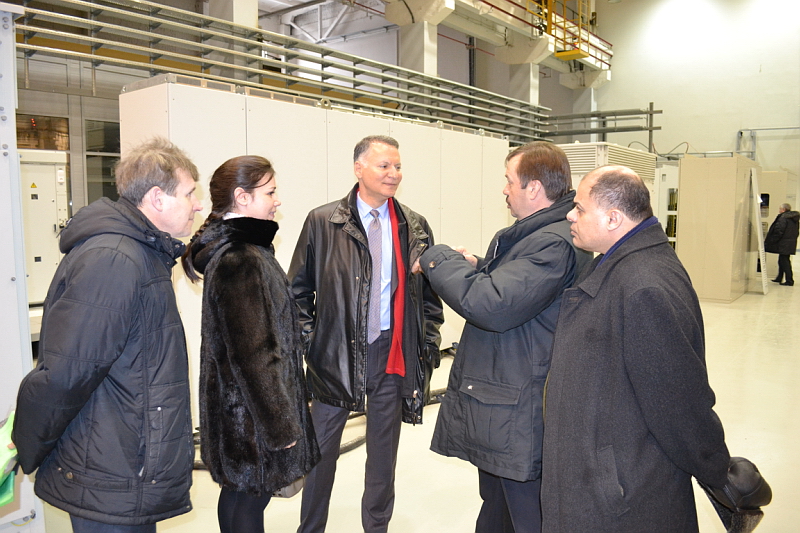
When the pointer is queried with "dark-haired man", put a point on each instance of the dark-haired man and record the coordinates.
(371, 327)
(491, 414)
(629, 416)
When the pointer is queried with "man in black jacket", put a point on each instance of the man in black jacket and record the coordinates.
(374, 341)
(781, 239)
(491, 415)
(105, 416)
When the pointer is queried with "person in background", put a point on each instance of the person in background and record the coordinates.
(781, 239)
(105, 415)
(255, 429)
(371, 327)
(491, 414)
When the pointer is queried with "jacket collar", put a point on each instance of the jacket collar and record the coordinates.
(122, 217)
(219, 233)
(596, 274)
(522, 228)
(346, 213)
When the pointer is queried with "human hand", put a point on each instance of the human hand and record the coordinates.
(415, 268)
(468, 256)
(290, 446)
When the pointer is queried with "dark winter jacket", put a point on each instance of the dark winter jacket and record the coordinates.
(491, 414)
(252, 392)
(629, 416)
(106, 411)
(782, 235)
(330, 272)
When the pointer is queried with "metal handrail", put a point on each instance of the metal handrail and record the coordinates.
(181, 42)
(558, 25)
(272, 62)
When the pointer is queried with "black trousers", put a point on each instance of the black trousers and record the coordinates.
(508, 506)
(785, 268)
(383, 437)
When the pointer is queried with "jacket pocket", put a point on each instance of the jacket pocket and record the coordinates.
(155, 432)
(93, 482)
(490, 413)
(608, 479)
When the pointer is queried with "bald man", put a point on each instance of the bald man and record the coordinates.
(628, 410)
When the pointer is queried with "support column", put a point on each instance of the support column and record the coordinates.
(584, 84)
(584, 101)
(523, 82)
(419, 47)
(243, 12)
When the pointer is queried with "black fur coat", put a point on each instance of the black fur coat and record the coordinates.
(252, 391)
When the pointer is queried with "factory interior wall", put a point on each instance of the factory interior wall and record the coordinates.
(713, 66)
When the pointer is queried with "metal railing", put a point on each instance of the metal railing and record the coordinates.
(604, 122)
(159, 39)
(568, 27)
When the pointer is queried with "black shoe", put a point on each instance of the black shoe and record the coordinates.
(775, 281)
(789, 283)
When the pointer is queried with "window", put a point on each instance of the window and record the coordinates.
(102, 153)
(42, 133)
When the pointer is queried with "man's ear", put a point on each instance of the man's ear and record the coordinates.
(535, 188)
(615, 219)
(357, 169)
(154, 199)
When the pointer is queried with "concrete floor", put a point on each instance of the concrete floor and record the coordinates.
(754, 367)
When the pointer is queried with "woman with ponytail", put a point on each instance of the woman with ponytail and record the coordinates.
(255, 430)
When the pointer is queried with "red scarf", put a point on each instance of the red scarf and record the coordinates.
(397, 363)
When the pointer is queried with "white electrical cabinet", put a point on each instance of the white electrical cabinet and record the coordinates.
(45, 207)
(24, 514)
(665, 188)
(716, 241)
(585, 157)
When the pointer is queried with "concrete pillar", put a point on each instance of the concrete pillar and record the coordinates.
(418, 47)
(242, 12)
(584, 101)
(524, 82)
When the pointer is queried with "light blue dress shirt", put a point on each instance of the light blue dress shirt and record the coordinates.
(386, 259)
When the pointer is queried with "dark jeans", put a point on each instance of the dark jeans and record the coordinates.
(508, 506)
(785, 268)
(83, 525)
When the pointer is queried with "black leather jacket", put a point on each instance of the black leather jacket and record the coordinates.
(330, 273)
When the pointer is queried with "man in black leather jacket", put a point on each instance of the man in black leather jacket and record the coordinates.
(355, 362)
